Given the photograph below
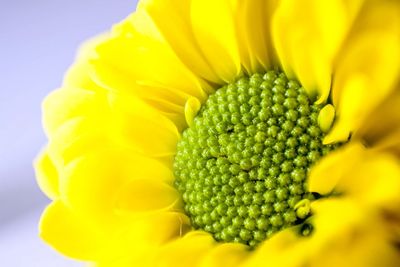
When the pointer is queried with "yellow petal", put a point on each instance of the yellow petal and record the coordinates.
(138, 242)
(343, 231)
(216, 36)
(380, 130)
(192, 106)
(64, 104)
(150, 72)
(307, 36)
(167, 100)
(375, 181)
(326, 117)
(89, 183)
(362, 82)
(228, 254)
(391, 142)
(173, 112)
(285, 248)
(334, 215)
(346, 234)
(87, 49)
(112, 79)
(252, 25)
(368, 251)
(142, 128)
(47, 175)
(186, 251)
(75, 137)
(128, 60)
(93, 183)
(69, 233)
(161, 228)
(352, 100)
(147, 195)
(170, 17)
(140, 167)
(79, 74)
(302, 208)
(325, 175)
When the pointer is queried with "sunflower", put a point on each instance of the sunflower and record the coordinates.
(230, 133)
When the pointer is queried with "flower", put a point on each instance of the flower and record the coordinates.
(230, 133)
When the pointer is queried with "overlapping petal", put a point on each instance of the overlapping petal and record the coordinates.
(184, 45)
(186, 251)
(69, 103)
(387, 135)
(370, 178)
(328, 171)
(225, 255)
(141, 127)
(253, 20)
(307, 36)
(340, 227)
(217, 41)
(367, 70)
(147, 195)
(70, 233)
(47, 175)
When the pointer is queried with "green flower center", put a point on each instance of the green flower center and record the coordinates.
(242, 166)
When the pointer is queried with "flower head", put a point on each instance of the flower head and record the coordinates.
(230, 133)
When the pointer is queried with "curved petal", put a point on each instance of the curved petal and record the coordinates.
(89, 183)
(363, 82)
(216, 36)
(141, 127)
(149, 70)
(286, 248)
(374, 182)
(326, 117)
(381, 130)
(326, 174)
(67, 103)
(79, 74)
(90, 74)
(173, 112)
(70, 233)
(47, 175)
(186, 251)
(391, 142)
(170, 17)
(147, 195)
(92, 182)
(252, 19)
(228, 254)
(192, 106)
(132, 58)
(161, 228)
(344, 234)
(307, 36)
(75, 137)
(139, 241)
(368, 251)
(347, 234)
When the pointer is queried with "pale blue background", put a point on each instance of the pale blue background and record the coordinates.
(38, 41)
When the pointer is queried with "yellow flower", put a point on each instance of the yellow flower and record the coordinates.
(230, 133)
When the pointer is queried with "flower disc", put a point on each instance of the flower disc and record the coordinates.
(242, 167)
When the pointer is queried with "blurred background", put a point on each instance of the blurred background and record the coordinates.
(38, 41)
